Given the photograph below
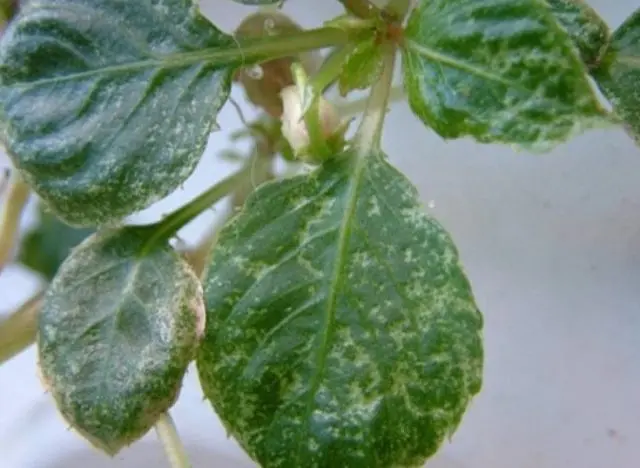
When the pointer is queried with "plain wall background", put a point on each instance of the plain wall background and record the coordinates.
(552, 246)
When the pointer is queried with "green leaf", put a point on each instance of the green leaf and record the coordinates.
(341, 329)
(119, 325)
(362, 67)
(498, 70)
(588, 31)
(48, 244)
(126, 94)
(619, 74)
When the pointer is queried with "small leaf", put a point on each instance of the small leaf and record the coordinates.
(588, 31)
(362, 68)
(341, 329)
(48, 244)
(117, 330)
(126, 94)
(500, 71)
(619, 74)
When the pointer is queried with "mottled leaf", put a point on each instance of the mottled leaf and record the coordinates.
(362, 67)
(497, 70)
(619, 74)
(588, 31)
(107, 105)
(341, 329)
(119, 326)
(48, 243)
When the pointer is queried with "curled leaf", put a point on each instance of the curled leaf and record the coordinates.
(119, 325)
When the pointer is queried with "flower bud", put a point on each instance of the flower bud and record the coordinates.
(294, 127)
(263, 82)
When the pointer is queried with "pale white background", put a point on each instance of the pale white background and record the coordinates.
(552, 245)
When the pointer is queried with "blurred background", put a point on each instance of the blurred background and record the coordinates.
(551, 244)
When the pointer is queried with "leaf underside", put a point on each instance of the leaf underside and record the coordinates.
(619, 74)
(107, 105)
(48, 244)
(499, 71)
(116, 333)
(341, 329)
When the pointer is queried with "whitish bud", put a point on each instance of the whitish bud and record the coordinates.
(294, 127)
(263, 82)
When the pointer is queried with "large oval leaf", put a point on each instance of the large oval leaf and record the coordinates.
(47, 245)
(341, 329)
(107, 105)
(119, 325)
(619, 74)
(500, 71)
(588, 31)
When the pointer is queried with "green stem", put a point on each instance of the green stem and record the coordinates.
(17, 197)
(18, 331)
(173, 448)
(166, 228)
(261, 172)
(271, 47)
(331, 68)
(369, 133)
(348, 109)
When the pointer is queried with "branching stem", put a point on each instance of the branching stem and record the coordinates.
(173, 448)
(369, 133)
(271, 47)
(172, 223)
(16, 200)
(18, 331)
(352, 108)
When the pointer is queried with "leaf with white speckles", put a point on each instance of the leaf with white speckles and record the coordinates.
(107, 105)
(119, 325)
(500, 71)
(341, 329)
(47, 245)
(587, 29)
(619, 74)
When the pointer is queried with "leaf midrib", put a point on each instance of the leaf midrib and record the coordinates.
(129, 283)
(434, 55)
(216, 56)
(344, 235)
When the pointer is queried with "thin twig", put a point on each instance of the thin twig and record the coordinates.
(19, 330)
(369, 133)
(16, 200)
(173, 448)
(261, 171)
